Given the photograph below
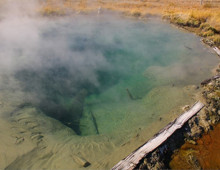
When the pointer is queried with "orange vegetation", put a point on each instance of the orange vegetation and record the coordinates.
(206, 153)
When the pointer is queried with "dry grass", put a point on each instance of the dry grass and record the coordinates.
(52, 11)
(185, 14)
(216, 39)
(201, 15)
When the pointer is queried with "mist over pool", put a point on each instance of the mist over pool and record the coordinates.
(95, 81)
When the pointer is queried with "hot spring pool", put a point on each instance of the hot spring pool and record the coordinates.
(101, 84)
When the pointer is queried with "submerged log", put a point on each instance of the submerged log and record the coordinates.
(189, 48)
(129, 94)
(81, 161)
(94, 122)
(133, 159)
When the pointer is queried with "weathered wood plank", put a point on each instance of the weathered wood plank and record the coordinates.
(216, 50)
(133, 159)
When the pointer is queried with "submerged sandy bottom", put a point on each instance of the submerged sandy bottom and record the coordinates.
(32, 140)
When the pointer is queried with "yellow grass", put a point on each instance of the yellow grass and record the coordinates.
(203, 13)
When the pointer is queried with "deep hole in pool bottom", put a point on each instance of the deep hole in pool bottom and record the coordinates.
(63, 98)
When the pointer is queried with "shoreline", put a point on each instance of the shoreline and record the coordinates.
(194, 129)
(152, 160)
(159, 139)
(201, 123)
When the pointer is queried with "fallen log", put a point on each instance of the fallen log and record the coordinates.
(133, 159)
(209, 80)
(216, 50)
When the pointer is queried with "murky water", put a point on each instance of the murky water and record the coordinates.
(105, 77)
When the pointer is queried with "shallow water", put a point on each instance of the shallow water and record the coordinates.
(107, 65)
(106, 77)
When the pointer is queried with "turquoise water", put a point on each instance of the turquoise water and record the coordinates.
(90, 88)
(95, 73)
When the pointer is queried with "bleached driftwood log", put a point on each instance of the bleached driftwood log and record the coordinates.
(133, 159)
(216, 50)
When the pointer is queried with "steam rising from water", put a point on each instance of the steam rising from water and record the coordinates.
(59, 62)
